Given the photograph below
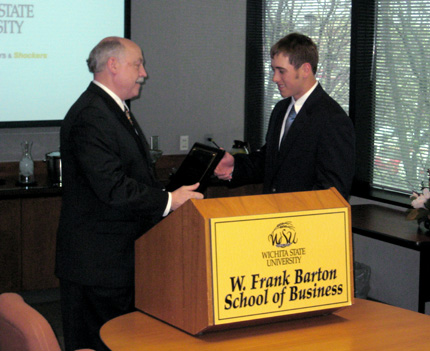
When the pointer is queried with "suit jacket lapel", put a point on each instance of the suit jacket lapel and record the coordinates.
(120, 114)
(295, 130)
(273, 135)
(302, 120)
(279, 122)
(140, 138)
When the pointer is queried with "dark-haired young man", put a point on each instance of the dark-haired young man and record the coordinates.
(310, 141)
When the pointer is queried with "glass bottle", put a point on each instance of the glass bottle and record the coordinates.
(240, 147)
(26, 165)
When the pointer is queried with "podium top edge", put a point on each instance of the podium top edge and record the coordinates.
(270, 203)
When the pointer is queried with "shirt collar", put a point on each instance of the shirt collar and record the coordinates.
(301, 101)
(120, 103)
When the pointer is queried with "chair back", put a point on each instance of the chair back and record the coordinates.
(22, 328)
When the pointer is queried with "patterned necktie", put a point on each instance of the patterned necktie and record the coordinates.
(290, 119)
(127, 113)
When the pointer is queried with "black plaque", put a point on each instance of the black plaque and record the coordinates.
(197, 167)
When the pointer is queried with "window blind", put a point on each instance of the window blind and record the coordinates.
(402, 94)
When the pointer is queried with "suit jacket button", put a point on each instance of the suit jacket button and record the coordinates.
(273, 190)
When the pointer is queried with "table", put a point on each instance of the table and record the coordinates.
(366, 325)
(390, 226)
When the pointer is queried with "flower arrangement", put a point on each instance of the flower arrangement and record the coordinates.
(421, 206)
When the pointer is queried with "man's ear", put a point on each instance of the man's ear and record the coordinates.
(112, 64)
(307, 68)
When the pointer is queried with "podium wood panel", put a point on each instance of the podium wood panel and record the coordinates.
(173, 259)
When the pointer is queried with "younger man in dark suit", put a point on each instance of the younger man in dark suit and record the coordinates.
(110, 195)
(315, 147)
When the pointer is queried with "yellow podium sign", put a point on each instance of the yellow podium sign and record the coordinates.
(279, 264)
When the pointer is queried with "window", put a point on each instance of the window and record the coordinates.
(374, 62)
(328, 23)
(402, 95)
(389, 97)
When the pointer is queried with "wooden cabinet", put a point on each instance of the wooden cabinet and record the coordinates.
(28, 229)
(10, 245)
(39, 227)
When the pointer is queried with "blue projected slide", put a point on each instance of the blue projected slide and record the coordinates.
(44, 45)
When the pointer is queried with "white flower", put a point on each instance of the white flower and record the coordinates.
(420, 200)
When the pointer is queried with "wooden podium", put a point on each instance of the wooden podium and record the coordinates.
(191, 268)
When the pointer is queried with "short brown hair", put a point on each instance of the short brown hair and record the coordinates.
(299, 48)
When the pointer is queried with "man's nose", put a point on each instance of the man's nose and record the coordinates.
(143, 72)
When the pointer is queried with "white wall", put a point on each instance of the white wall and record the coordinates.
(195, 58)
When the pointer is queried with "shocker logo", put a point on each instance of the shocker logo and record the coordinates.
(283, 235)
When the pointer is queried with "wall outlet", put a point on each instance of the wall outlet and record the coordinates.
(183, 142)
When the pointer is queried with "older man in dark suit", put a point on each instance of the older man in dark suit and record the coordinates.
(310, 141)
(110, 195)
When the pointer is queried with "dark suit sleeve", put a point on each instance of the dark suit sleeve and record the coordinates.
(114, 168)
(249, 169)
(336, 154)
